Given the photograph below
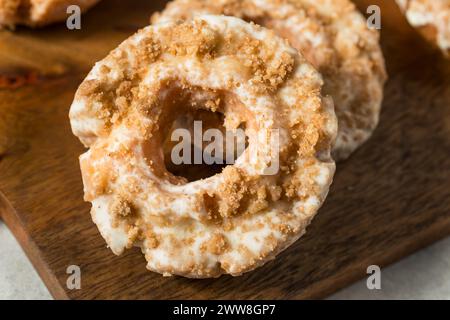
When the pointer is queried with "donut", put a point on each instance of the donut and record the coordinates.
(333, 36)
(431, 18)
(37, 13)
(240, 218)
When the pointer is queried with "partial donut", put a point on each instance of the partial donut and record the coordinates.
(37, 13)
(236, 220)
(432, 18)
(333, 36)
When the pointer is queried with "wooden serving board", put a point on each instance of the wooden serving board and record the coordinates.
(392, 197)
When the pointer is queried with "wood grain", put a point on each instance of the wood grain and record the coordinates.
(389, 199)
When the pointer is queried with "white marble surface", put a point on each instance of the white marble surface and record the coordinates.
(424, 275)
(18, 279)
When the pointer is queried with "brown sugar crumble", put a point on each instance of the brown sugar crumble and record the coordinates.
(217, 245)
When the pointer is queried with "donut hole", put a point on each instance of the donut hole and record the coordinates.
(203, 146)
(199, 133)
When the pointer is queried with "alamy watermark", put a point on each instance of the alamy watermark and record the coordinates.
(374, 19)
(214, 146)
(374, 280)
(73, 22)
(73, 281)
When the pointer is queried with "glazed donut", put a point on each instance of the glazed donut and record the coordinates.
(236, 220)
(333, 36)
(432, 18)
(36, 13)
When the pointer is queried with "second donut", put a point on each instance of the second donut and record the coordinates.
(333, 36)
